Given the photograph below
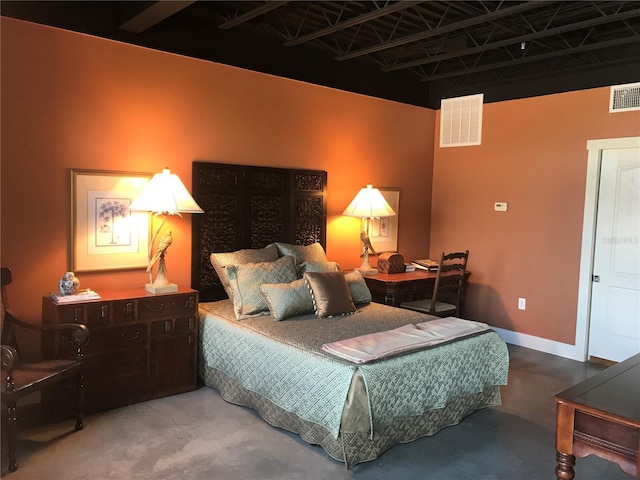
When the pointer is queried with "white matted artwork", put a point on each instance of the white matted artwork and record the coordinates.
(384, 230)
(106, 234)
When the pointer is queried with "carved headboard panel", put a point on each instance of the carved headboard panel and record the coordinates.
(251, 207)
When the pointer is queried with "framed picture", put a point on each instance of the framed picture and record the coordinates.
(384, 230)
(105, 234)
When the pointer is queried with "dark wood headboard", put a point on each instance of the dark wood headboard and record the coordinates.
(251, 207)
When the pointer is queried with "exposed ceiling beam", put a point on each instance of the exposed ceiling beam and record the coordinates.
(534, 58)
(516, 40)
(367, 17)
(503, 12)
(251, 14)
(153, 15)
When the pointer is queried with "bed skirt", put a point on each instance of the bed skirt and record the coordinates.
(353, 448)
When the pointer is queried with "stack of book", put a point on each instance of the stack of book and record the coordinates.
(79, 296)
(426, 264)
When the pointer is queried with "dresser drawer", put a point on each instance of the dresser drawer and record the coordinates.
(123, 311)
(173, 326)
(167, 306)
(106, 339)
(116, 364)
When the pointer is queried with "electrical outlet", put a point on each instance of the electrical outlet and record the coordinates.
(522, 304)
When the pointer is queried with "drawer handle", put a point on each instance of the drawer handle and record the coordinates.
(160, 308)
(130, 364)
(187, 303)
(130, 339)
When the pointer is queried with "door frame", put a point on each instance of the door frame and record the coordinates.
(594, 161)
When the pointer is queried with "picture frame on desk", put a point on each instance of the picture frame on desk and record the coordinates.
(384, 231)
(105, 234)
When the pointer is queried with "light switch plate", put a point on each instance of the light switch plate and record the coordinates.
(500, 206)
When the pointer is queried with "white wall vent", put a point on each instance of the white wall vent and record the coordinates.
(625, 98)
(461, 121)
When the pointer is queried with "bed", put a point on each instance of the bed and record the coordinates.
(271, 346)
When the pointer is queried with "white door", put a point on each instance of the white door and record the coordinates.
(614, 331)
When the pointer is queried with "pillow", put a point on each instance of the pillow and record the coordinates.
(287, 300)
(330, 294)
(360, 293)
(307, 253)
(248, 255)
(317, 267)
(245, 280)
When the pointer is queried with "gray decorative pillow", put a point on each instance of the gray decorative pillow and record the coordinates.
(330, 294)
(360, 293)
(317, 267)
(287, 300)
(307, 253)
(245, 280)
(248, 255)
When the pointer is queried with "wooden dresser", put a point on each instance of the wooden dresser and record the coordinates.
(141, 346)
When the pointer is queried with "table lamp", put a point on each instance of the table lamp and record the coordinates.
(367, 205)
(164, 195)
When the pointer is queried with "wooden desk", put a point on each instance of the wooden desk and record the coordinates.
(395, 288)
(601, 416)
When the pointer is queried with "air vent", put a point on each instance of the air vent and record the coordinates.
(625, 98)
(461, 121)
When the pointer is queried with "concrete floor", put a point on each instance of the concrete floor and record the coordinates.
(199, 436)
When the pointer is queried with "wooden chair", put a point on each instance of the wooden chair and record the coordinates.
(448, 291)
(22, 378)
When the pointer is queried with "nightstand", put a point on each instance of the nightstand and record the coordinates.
(395, 288)
(141, 346)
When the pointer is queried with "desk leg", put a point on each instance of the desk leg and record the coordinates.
(564, 466)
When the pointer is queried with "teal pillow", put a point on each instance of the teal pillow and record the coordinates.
(360, 293)
(302, 253)
(317, 267)
(247, 255)
(286, 300)
(245, 280)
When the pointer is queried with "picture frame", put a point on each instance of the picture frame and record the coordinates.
(384, 230)
(106, 235)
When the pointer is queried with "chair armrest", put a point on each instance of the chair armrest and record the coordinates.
(79, 335)
(9, 357)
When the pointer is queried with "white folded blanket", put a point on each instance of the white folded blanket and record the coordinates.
(375, 346)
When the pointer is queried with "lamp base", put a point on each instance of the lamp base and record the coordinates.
(168, 288)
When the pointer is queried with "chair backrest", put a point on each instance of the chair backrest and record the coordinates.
(7, 336)
(450, 280)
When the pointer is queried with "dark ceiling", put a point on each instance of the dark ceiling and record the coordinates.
(408, 51)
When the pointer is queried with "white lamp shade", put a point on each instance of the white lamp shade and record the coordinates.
(369, 203)
(165, 193)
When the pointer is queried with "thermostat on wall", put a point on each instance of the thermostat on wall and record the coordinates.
(500, 206)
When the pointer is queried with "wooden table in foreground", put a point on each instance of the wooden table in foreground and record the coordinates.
(601, 416)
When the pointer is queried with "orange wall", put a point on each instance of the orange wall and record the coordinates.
(533, 156)
(75, 101)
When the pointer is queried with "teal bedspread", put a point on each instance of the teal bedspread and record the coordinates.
(296, 375)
